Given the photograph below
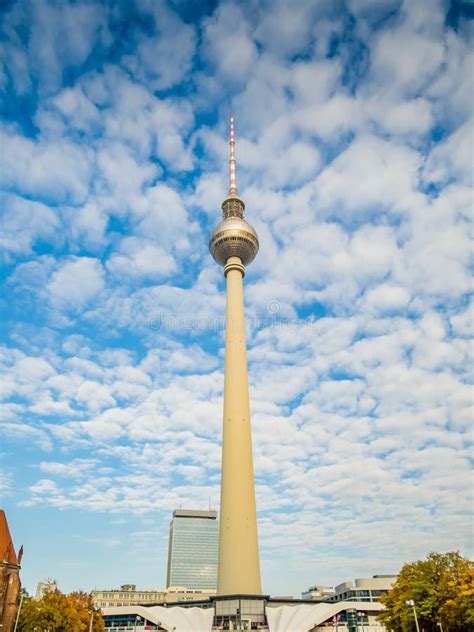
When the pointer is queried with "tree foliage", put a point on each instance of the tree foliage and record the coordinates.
(57, 612)
(442, 587)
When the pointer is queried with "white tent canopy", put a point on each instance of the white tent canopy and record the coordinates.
(302, 618)
(298, 618)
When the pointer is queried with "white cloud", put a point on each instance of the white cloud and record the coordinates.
(314, 82)
(267, 85)
(435, 257)
(285, 31)
(15, 65)
(76, 282)
(131, 115)
(30, 278)
(23, 223)
(123, 176)
(406, 61)
(165, 59)
(56, 171)
(47, 407)
(452, 158)
(279, 160)
(62, 35)
(370, 174)
(412, 117)
(137, 258)
(88, 224)
(162, 218)
(463, 322)
(450, 92)
(228, 44)
(125, 108)
(94, 396)
(77, 109)
(169, 123)
(179, 359)
(388, 298)
(22, 432)
(32, 369)
(209, 192)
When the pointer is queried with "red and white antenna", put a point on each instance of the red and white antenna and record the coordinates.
(233, 184)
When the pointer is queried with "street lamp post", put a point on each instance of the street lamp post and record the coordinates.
(440, 626)
(91, 621)
(411, 603)
(18, 613)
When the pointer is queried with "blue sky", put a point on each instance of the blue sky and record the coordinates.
(353, 123)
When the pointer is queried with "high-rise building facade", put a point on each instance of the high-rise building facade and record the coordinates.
(193, 549)
(234, 245)
(44, 587)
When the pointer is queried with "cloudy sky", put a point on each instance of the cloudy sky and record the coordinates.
(353, 123)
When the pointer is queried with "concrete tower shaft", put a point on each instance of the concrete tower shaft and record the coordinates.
(234, 244)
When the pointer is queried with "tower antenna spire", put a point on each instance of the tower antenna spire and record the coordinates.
(233, 183)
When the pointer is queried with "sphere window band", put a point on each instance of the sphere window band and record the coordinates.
(233, 242)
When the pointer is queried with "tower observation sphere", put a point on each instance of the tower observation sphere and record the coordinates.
(233, 236)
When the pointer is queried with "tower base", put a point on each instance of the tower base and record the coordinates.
(239, 612)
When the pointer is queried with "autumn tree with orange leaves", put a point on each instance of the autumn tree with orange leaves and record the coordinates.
(442, 588)
(57, 612)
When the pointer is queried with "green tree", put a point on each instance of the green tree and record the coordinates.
(442, 587)
(458, 587)
(57, 612)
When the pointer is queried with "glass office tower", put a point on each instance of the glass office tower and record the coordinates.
(193, 549)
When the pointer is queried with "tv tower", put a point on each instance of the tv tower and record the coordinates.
(234, 245)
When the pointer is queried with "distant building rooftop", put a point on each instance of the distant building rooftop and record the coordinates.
(363, 588)
(317, 593)
(194, 513)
